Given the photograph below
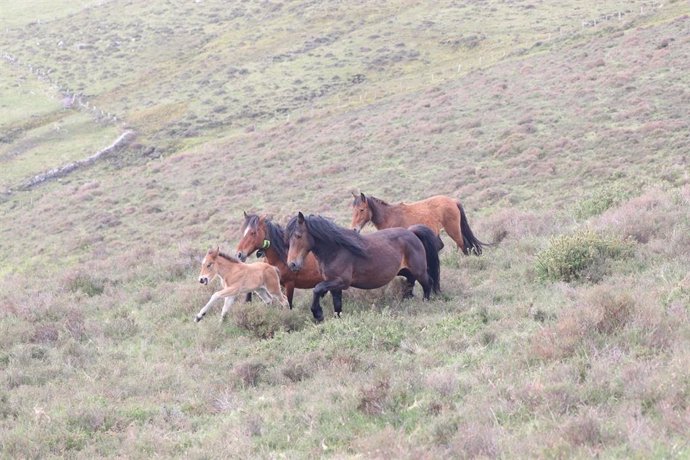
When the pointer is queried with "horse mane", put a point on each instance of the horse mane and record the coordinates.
(374, 205)
(358, 200)
(274, 232)
(230, 258)
(328, 233)
(276, 235)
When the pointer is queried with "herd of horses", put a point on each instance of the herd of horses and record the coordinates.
(313, 252)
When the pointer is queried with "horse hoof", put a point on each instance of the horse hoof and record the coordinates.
(197, 318)
(338, 314)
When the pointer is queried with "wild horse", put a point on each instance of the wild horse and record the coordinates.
(438, 212)
(238, 278)
(369, 261)
(260, 233)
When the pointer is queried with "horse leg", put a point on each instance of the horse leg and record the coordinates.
(320, 290)
(226, 306)
(409, 288)
(418, 272)
(452, 228)
(289, 293)
(316, 309)
(265, 295)
(203, 311)
(227, 292)
(337, 302)
(248, 298)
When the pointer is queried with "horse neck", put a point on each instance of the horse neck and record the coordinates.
(274, 259)
(323, 252)
(226, 267)
(380, 213)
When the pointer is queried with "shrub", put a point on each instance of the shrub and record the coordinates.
(601, 200)
(87, 284)
(615, 310)
(249, 372)
(582, 255)
(264, 321)
(373, 398)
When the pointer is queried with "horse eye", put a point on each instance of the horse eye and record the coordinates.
(209, 265)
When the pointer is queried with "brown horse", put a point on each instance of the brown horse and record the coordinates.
(370, 261)
(438, 212)
(238, 278)
(260, 233)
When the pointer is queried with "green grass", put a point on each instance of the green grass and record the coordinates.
(99, 353)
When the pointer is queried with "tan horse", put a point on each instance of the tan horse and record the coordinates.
(237, 279)
(438, 212)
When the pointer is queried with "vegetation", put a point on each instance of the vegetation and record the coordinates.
(583, 254)
(562, 127)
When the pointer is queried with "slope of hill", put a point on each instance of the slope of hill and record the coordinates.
(556, 133)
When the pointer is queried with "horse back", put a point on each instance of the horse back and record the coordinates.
(432, 212)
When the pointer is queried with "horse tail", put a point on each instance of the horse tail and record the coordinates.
(472, 244)
(432, 245)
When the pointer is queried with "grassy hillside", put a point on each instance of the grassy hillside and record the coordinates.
(562, 127)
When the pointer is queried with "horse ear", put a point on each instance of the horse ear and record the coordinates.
(300, 217)
(245, 214)
(363, 198)
(354, 194)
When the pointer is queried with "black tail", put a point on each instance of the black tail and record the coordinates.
(432, 245)
(472, 244)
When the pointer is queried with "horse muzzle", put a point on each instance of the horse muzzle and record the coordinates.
(242, 256)
(204, 280)
(294, 266)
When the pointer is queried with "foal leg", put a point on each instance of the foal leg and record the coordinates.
(226, 306)
(203, 311)
(265, 296)
(227, 292)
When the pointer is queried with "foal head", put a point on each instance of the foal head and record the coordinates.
(361, 212)
(209, 266)
(301, 242)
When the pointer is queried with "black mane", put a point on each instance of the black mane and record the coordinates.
(274, 233)
(327, 234)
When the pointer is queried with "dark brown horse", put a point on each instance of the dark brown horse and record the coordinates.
(260, 233)
(438, 212)
(370, 261)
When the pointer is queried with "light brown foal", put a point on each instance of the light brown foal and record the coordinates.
(237, 279)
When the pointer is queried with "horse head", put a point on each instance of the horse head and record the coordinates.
(253, 236)
(361, 212)
(208, 266)
(300, 242)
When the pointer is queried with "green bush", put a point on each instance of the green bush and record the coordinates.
(582, 255)
(601, 200)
